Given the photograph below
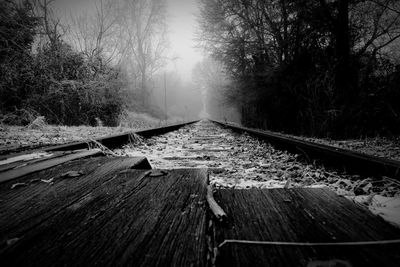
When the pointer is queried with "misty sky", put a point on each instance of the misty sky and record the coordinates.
(181, 20)
(182, 27)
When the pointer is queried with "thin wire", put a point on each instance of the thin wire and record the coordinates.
(278, 243)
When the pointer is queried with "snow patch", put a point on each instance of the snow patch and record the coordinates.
(386, 207)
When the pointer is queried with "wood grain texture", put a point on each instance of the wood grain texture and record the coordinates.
(23, 162)
(45, 164)
(25, 207)
(130, 219)
(300, 215)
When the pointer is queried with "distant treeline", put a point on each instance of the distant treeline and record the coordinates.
(323, 68)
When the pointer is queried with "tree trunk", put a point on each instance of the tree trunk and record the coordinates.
(143, 88)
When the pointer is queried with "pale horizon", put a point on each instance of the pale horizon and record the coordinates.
(182, 24)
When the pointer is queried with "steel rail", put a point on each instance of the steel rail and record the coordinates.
(117, 140)
(110, 141)
(339, 158)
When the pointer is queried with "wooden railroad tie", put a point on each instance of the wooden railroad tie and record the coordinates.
(301, 227)
(88, 209)
(109, 214)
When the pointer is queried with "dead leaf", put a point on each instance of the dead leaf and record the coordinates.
(16, 185)
(369, 199)
(156, 173)
(287, 184)
(47, 181)
(71, 174)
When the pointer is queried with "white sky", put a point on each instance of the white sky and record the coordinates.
(181, 20)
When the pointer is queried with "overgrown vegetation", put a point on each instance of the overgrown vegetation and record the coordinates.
(322, 68)
(78, 69)
(54, 81)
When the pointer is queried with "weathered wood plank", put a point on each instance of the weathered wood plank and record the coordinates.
(46, 164)
(301, 215)
(134, 219)
(21, 160)
(24, 207)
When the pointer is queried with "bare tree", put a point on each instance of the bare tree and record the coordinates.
(97, 35)
(248, 34)
(378, 22)
(128, 33)
(50, 29)
(144, 27)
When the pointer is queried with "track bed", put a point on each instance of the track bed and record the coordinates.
(109, 207)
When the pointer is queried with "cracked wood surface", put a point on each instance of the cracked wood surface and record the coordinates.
(301, 215)
(46, 193)
(38, 165)
(112, 215)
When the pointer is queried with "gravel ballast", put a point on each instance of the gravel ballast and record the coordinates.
(241, 161)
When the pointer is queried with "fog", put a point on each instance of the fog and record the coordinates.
(167, 88)
(267, 64)
(180, 99)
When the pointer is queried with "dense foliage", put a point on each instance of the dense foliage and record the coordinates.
(325, 68)
(52, 80)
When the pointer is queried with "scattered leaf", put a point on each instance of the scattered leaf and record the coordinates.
(47, 181)
(71, 174)
(156, 173)
(369, 199)
(17, 185)
(287, 184)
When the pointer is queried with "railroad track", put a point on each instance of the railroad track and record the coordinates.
(346, 160)
(111, 141)
(301, 197)
(239, 157)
